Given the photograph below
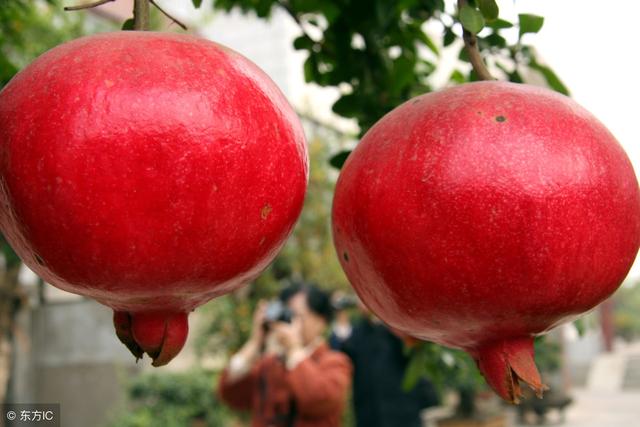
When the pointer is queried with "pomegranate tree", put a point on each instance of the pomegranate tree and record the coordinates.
(151, 172)
(483, 215)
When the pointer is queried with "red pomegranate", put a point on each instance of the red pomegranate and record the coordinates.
(151, 172)
(480, 216)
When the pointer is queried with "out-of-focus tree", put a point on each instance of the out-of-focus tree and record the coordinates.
(173, 400)
(30, 27)
(379, 54)
(626, 309)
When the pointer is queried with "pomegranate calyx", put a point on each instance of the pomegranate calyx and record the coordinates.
(505, 363)
(122, 323)
(159, 334)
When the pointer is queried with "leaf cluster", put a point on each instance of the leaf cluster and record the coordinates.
(28, 28)
(379, 55)
(173, 400)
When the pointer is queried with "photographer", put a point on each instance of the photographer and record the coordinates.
(285, 374)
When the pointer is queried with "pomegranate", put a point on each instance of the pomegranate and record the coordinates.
(483, 215)
(151, 172)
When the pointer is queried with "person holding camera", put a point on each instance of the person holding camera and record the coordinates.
(285, 374)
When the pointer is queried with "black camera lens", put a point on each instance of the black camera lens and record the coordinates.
(277, 312)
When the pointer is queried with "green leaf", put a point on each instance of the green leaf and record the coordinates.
(337, 160)
(311, 68)
(515, 77)
(449, 36)
(303, 42)
(11, 259)
(530, 23)
(403, 72)
(330, 11)
(416, 369)
(428, 42)
(552, 79)
(463, 55)
(471, 19)
(499, 24)
(196, 3)
(347, 106)
(128, 25)
(473, 75)
(489, 9)
(7, 70)
(457, 77)
(581, 326)
(263, 7)
(495, 40)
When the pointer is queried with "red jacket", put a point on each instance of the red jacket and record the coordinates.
(315, 391)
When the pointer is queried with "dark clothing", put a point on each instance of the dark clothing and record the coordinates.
(379, 366)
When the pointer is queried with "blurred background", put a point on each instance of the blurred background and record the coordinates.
(58, 347)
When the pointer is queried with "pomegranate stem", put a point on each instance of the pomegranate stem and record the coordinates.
(471, 46)
(141, 15)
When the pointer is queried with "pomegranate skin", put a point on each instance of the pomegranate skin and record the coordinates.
(480, 216)
(149, 171)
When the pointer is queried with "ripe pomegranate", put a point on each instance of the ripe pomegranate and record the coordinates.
(480, 216)
(151, 172)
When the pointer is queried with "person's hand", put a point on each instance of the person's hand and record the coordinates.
(289, 335)
(257, 328)
(244, 359)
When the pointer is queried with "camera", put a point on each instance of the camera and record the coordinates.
(276, 311)
(345, 302)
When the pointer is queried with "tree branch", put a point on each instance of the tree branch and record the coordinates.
(87, 6)
(141, 15)
(180, 24)
(471, 45)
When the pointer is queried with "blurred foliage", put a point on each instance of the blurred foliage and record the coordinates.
(627, 312)
(445, 368)
(173, 400)
(30, 27)
(548, 354)
(379, 54)
(11, 260)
